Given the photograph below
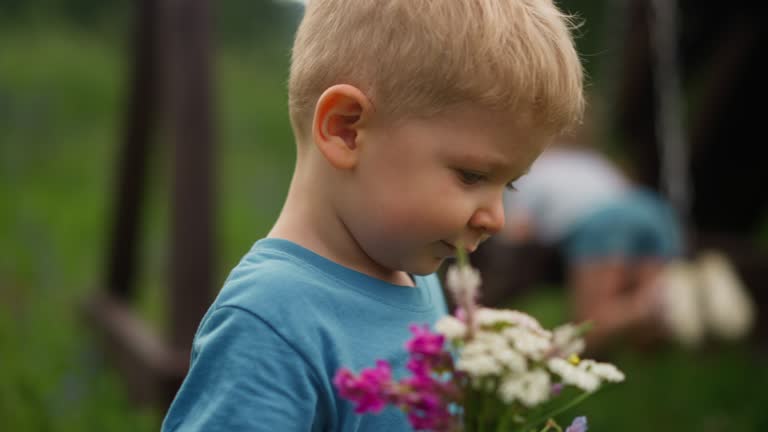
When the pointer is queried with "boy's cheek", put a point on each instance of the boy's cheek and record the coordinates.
(421, 219)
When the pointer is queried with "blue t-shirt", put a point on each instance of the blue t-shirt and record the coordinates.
(286, 320)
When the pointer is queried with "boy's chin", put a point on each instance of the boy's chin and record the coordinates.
(424, 267)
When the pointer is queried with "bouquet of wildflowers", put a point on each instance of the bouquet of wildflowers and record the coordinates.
(483, 369)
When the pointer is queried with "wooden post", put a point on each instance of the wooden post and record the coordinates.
(189, 85)
(132, 169)
(153, 367)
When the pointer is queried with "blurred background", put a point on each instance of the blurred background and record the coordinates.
(144, 146)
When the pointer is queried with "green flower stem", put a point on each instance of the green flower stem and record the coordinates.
(461, 255)
(486, 415)
(551, 425)
(503, 425)
(469, 411)
(575, 401)
(506, 419)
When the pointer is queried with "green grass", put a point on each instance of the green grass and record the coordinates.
(60, 97)
(61, 104)
(61, 100)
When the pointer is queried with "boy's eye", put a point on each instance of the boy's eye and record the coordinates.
(469, 177)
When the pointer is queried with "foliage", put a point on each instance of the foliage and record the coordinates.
(61, 107)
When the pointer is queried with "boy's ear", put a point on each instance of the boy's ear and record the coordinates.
(339, 114)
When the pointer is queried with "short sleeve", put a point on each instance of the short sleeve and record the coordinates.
(244, 377)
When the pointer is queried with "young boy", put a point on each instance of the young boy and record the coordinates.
(616, 239)
(410, 118)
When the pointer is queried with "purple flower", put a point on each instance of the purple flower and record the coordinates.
(420, 383)
(556, 389)
(424, 396)
(369, 391)
(419, 367)
(426, 411)
(425, 343)
(579, 425)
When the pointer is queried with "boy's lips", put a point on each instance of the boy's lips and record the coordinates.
(453, 248)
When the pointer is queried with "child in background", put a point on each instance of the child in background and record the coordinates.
(622, 246)
(411, 117)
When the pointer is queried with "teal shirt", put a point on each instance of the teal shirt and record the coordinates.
(286, 320)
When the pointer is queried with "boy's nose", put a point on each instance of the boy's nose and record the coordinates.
(489, 218)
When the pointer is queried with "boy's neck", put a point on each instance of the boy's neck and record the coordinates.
(307, 220)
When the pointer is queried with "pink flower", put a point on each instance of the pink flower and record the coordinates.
(419, 366)
(425, 343)
(426, 400)
(419, 382)
(424, 396)
(427, 411)
(370, 391)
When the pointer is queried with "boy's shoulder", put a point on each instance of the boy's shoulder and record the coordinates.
(270, 276)
(277, 274)
(304, 299)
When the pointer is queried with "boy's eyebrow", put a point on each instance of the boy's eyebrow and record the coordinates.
(492, 163)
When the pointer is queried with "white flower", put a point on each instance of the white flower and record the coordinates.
(605, 371)
(510, 389)
(494, 345)
(474, 348)
(463, 282)
(492, 341)
(489, 317)
(574, 375)
(451, 327)
(531, 388)
(512, 360)
(484, 345)
(528, 343)
(479, 366)
(536, 388)
(564, 333)
(567, 341)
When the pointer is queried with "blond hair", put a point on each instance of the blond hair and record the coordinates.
(421, 57)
